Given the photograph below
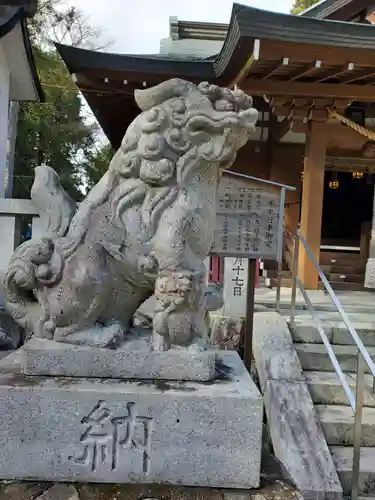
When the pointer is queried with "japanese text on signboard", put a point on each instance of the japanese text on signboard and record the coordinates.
(247, 219)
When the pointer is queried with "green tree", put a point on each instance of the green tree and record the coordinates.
(55, 132)
(98, 164)
(301, 5)
(54, 21)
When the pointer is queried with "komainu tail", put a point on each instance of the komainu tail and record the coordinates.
(37, 263)
(55, 207)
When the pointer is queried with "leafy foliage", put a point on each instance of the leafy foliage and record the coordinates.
(53, 132)
(301, 5)
(56, 132)
(54, 21)
(98, 164)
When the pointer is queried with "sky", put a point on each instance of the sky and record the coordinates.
(136, 26)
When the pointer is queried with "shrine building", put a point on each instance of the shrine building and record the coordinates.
(312, 79)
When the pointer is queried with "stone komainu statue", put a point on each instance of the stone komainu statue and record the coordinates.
(145, 228)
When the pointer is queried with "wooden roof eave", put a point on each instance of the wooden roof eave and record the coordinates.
(11, 17)
(299, 38)
(341, 10)
(123, 66)
(256, 41)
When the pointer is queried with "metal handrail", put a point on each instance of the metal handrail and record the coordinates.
(355, 401)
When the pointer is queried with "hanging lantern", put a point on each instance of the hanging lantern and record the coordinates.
(357, 175)
(334, 183)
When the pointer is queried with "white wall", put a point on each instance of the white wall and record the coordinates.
(4, 109)
(190, 47)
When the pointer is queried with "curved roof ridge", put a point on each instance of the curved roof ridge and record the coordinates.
(9, 17)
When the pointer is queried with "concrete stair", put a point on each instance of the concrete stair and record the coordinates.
(338, 282)
(342, 269)
(315, 357)
(342, 457)
(331, 404)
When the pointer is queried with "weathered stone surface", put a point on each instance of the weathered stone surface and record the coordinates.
(60, 492)
(22, 491)
(143, 316)
(370, 271)
(343, 459)
(146, 227)
(10, 332)
(236, 495)
(315, 357)
(11, 363)
(164, 432)
(146, 492)
(338, 422)
(306, 331)
(325, 388)
(298, 440)
(274, 353)
(226, 333)
(133, 360)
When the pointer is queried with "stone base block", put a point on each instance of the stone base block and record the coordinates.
(116, 431)
(226, 332)
(370, 273)
(133, 360)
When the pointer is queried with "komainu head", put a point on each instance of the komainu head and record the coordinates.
(181, 127)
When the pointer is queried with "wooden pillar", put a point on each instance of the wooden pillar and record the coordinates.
(312, 200)
(4, 105)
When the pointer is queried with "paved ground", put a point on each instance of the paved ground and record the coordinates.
(275, 485)
(352, 302)
(32, 491)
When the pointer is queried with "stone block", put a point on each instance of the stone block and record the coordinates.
(22, 491)
(273, 348)
(343, 459)
(11, 362)
(146, 492)
(10, 331)
(60, 492)
(370, 273)
(225, 332)
(117, 431)
(133, 360)
(298, 440)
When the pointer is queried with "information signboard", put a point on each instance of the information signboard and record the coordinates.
(249, 218)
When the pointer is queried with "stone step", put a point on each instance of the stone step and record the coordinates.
(339, 269)
(326, 389)
(336, 285)
(338, 421)
(339, 258)
(272, 282)
(60, 492)
(343, 459)
(344, 285)
(347, 277)
(271, 264)
(305, 331)
(315, 357)
(333, 273)
(272, 273)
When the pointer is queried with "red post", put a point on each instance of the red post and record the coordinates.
(257, 281)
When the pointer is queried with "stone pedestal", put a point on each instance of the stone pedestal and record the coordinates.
(370, 266)
(135, 360)
(113, 431)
